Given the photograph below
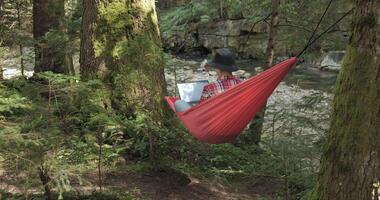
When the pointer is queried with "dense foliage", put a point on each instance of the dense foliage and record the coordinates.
(64, 134)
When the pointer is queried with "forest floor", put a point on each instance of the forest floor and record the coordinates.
(170, 184)
(166, 184)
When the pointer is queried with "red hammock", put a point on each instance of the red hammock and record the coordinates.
(223, 117)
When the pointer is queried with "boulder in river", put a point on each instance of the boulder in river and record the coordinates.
(332, 60)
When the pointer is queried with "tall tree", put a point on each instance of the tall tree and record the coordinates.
(128, 41)
(350, 167)
(1, 67)
(89, 62)
(19, 27)
(256, 126)
(1, 33)
(272, 34)
(128, 37)
(49, 53)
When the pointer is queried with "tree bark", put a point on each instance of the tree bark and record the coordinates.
(133, 54)
(256, 126)
(350, 165)
(19, 25)
(89, 62)
(272, 34)
(128, 41)
(47, 17)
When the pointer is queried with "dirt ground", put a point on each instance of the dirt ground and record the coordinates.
(169, 184)
(172, 185)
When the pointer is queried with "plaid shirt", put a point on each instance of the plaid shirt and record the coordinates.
(219, 86)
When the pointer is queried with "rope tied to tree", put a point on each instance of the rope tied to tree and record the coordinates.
(311, 41)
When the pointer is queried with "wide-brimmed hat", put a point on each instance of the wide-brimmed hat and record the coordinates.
(224, 60)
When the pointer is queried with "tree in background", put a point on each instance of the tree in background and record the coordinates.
(350, 166)
(1, 33)
(1, 67)
(89, 62)
(272, 34)
(47, 25)
(14, 28)
(71, 30)
(19, 5)
(256, 127)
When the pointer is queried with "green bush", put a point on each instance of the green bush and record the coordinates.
(11, 102)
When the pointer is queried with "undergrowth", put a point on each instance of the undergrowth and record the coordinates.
(67, 128)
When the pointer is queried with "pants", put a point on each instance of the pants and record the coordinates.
(181, 105)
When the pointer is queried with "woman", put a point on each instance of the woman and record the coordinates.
(224, 63)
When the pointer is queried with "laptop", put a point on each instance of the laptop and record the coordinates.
(191, 92)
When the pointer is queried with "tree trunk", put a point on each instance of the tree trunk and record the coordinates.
(133, 54)
(221, 9)
(256, 126)
(272, 34)
(1, 73)
(350, 166)
(130, 44)
(19, 25)
(46, 17)
(89, 62)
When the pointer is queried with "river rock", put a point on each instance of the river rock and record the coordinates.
(332, 60)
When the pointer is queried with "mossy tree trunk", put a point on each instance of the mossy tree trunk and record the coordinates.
(350, 168)
(128, 40)
(49, 55)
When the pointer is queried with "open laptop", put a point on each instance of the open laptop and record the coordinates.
(191, 92)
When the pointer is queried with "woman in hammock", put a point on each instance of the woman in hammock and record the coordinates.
(224, 64)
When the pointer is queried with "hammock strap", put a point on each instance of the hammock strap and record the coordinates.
(315, 29)
(324, 32)
(319, 23)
